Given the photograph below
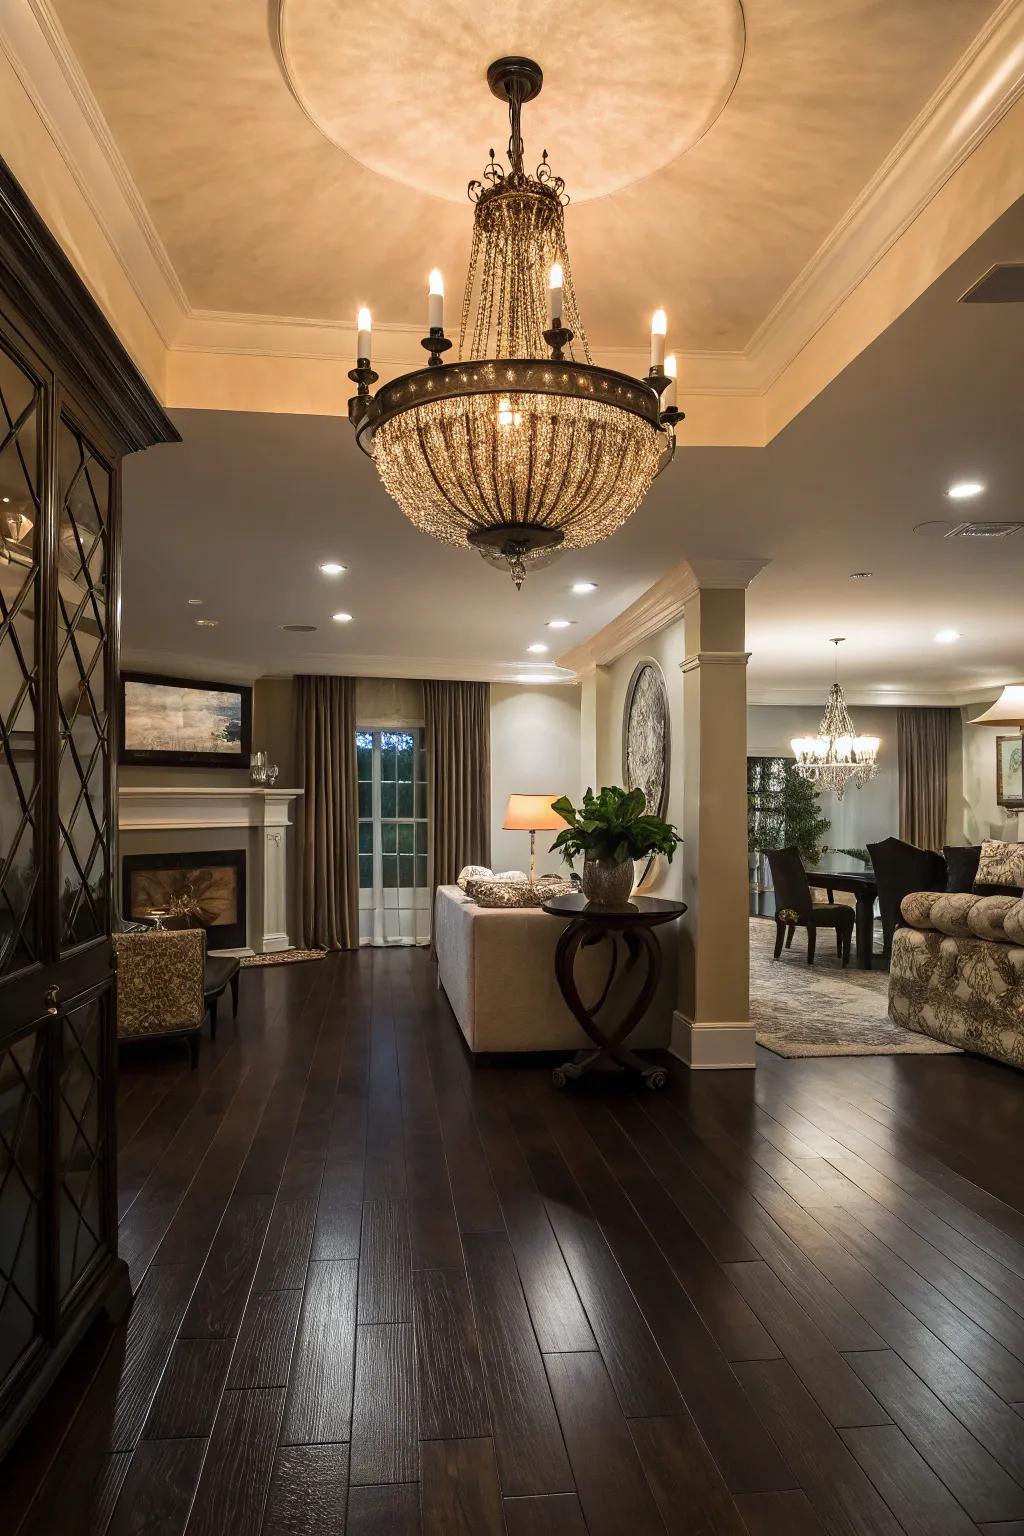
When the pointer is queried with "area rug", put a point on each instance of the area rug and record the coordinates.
(284, 957)
(821, 1009)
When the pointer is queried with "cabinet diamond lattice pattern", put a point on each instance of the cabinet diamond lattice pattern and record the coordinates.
(81, 1143)
(19, 668)
(20, 1198)
(82, 685)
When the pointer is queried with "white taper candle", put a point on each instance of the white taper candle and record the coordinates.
(364, 325)
(659, 325)
(668, 399)
(435, 302)
(555, 296)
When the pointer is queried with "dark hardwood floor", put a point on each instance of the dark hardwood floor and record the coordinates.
(381, 1293)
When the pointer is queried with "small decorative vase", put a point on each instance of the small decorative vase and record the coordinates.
(607, 884)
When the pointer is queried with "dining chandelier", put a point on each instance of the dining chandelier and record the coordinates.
(837, 756)
(523, 446)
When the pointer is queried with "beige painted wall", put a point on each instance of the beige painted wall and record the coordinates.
(535, 750)
(981, 816)
(668, 650)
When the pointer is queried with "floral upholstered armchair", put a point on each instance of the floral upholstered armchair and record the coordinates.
(160, 985)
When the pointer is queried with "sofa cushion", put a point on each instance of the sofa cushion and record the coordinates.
(1013, 923)
(949, 914)
(961, 867)
(916, 909)
(1000, 868)
(987, 918)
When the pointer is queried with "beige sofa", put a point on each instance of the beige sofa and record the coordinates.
(957, 972)
(497, 968)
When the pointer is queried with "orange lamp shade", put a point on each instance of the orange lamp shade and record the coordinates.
(532, 813)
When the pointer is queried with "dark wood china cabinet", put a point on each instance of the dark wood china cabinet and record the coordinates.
(71, 405)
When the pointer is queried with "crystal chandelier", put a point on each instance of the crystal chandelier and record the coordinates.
(837, 756)
(523, 446)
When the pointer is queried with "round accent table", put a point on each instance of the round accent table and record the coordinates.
(589, 925)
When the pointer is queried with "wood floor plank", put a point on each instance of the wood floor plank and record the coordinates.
(548, 1514)
(392, 1510)
(263, 1353)
(434, 1235)
(308, 1494)
(837, 1390)
(610, 1482)
(338, 1220)
(157, 1492)
(285, 1254)
(963, 1464)
(239, 1459)
(450, 1386)
(527, 1442)
(319, 1408)
(779, 1514)
(459, 1489)
(921, 1503)
(218, 1301)
(385, 1264)
(844, 1497)
(186, 1400)
(152, 1325)
(384, 1428)
(683, 1476)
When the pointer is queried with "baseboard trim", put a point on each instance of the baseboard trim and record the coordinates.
(712, 1047)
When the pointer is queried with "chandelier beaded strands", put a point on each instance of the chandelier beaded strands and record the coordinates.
(523, 446)
(837, 756)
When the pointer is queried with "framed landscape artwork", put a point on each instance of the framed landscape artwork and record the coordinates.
(182, 723)
(1010, 772)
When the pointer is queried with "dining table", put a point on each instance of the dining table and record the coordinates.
(864, 887)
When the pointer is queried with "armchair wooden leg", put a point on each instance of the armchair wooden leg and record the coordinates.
(234, 994)
(213, 1018)
(839, 941)
(847, 937)
(790, 931)
(779, 931)
(812, 936)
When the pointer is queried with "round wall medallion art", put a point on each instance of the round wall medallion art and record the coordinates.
(646, 737)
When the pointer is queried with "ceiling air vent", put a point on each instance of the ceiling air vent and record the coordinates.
(983, 530)
(1002, 284)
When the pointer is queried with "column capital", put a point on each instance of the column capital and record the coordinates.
(714, 659)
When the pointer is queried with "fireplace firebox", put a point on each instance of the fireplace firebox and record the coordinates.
(207, 886)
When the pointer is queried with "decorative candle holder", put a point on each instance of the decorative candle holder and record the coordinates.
(362, 375)
(436, 343)
(558, 338)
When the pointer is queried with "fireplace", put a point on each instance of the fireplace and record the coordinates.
(208, 887)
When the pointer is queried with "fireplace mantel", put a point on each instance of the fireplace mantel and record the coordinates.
(263, 814)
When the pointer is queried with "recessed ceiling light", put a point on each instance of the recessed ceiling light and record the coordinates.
(946, 636)
(332, 568)
(342, 618)
(537, 648)
(861, 575)
(299, 629)
(560, 623)
(195, 602)
(581, 588)
(207, 623)
(963, 490)
(5, 500)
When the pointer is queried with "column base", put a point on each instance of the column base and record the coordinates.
(273, 943)
(712, 1047)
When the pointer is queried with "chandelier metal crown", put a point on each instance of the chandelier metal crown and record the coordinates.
(523, 446)
(837, 756)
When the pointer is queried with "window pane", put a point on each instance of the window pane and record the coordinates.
(387, 798)
(388, 837)
(365, 871)
(405, 799)
(405, 760)
(421, 800)
(365, 798)
(406, 870)
(366, 837)
(387, 758)
(405, 837)
(421, 871)
(364, 755)
(390, 876)
(421, 837)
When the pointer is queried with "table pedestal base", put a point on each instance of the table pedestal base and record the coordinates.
(609, 1049)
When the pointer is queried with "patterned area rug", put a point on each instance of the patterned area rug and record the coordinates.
(821, 1009)
(284, 957)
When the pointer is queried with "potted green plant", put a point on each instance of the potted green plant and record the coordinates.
(610, 830)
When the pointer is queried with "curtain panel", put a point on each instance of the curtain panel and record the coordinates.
(326, 709)
(458, 731)
(922, 754)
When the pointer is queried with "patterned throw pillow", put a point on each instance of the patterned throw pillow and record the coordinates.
(516, 893)
(1000, 869)
(473, 872)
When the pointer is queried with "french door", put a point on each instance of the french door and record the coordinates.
(394, 890)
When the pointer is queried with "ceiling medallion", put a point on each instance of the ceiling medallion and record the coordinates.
(837, 756)
(523, 446)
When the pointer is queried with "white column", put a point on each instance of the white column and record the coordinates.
(594, 688)
(711, 1027)
(270, 908)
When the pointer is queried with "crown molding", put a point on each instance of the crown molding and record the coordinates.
(870, 697)
(701, 659)
(661, 605)
(981, 88)
(331, 664)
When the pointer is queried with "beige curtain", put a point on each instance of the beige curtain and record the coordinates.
(458, 730)
(922, 753)
(330, 812)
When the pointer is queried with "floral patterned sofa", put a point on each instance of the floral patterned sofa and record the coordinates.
(957, 971)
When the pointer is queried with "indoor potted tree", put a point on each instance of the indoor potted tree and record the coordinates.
(610, 830)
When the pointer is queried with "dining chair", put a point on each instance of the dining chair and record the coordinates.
(795, 907)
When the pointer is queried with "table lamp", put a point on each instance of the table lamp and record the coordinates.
(533, 814)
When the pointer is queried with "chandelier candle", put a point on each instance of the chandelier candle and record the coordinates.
(523, 445)
(435, 302)
(363, 339)
(668, 399)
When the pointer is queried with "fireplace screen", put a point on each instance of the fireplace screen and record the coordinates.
(207, 888)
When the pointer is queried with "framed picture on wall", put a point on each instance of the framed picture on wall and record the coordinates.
(179, 722)
(1010, 772)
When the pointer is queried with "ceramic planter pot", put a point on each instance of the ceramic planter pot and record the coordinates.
(607, 884)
